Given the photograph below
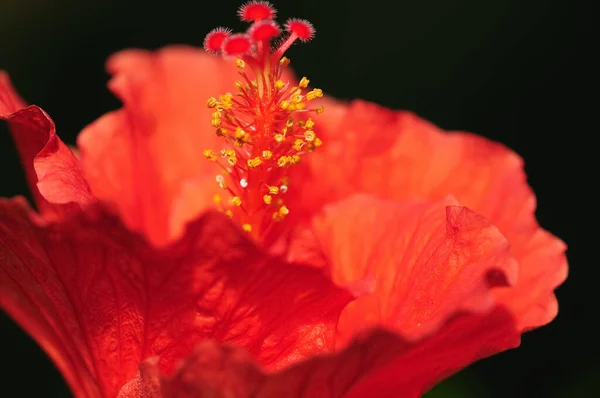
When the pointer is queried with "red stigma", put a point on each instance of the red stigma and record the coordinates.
(214, 39)
(264, 30)
(301, 28)
(253, 47)
(256, 11)
(237, 45)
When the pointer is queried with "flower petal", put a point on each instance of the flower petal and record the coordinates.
(378, 361)
(99, 299)
(53, 172)
(416, 264)
(396, 155)
(395, 367)
(138, 157)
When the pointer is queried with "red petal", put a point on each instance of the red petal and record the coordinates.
(100, 299)
(379, 361)
(139, 157)
(421, 262)
(396, 155)
(394, 367)
(53, 172)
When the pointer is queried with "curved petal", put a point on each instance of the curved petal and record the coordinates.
(414, 264)
(53, 172)
(99, 299)
(138, 157)
(397, 155)
(378, 361)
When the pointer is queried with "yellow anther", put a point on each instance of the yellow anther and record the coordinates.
(295, 159)
(232, 160)
(267, 199)
(284, 161)
(281, 213)
(239, 143)
(210, 155)
(221, 132)
(318, 142)
(227, 152)
(291, 108)
(266, 154)
(285, 61)
(222, 185)
(273, 190)
(227, 96)
(229, 213)
(297, 99)
(284, 104)
(212, 102)
(216, 114)
(240, 63)
(304, 82)
(295, 91)
(320, 110)
(216, 122)
(226, 100)
(279, 138)
(289, 123)
(309, 135)
(279, 84)
(254, 162)
(217, 198)
(301, 106)
(309, 124)
(239, 133)
(298, 144)
(239, 84)
(316, 93)
(236, 201)
(247, 227)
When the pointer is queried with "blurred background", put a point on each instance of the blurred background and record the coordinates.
(515, 71)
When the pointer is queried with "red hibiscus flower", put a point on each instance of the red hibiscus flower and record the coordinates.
(261, 246)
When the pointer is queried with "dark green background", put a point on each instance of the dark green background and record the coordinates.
(517, 71)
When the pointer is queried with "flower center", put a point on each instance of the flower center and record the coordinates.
(265, 125)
